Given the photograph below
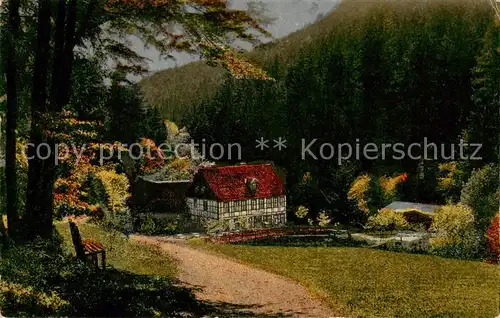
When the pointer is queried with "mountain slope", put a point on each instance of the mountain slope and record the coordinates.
(176, 88)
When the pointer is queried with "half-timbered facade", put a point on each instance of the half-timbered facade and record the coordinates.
(253, 194)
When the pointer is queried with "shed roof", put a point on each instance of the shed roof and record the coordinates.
(401, 205)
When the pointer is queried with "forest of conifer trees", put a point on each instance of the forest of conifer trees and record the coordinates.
(392, 74)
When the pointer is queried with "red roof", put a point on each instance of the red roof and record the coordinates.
(229, 183)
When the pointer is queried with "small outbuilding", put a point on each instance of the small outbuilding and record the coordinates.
(415, 213)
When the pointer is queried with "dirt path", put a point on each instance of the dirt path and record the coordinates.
(250, 289)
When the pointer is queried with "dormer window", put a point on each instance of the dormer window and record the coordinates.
(251, 185)
(200, 189)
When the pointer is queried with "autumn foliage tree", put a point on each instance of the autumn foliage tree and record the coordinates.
(204, 27)
(371, 194)
(493, 235)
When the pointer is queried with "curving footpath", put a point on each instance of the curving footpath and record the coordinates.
(218, 279)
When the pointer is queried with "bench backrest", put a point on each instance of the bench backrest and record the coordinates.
(77, 240)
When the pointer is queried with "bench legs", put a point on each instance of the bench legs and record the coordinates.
(95, 259)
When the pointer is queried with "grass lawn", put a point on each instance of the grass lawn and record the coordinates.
(39, 278)
(122, 253)
(372, 283)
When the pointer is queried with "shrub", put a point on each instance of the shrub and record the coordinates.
(83, 184)
(116, 186)
(152, 159)
(482, 194)
(121, 220)
(25, 301)
(168, 173)
(70, 188)
(493, 236)
(147, 226)
(387, 220)
(162, 225)
(451, 181)
(323, 219)
(171, 128)
(26, 274)
(358, 192)
(179, 164)
(301, 212)
(371, 194)
(389, 186)
(243, 223)
(214, 226)
(173, 226)
(306, 177)
(96, 191)
(454, 232)
(169, 225)
(418, 218)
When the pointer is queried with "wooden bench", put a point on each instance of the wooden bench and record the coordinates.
(85, 248)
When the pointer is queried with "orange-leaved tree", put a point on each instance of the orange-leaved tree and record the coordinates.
(204, 27)
(493, 235)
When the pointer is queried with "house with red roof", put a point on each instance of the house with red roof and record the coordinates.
(253, 194)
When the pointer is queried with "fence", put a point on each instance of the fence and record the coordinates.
(274, 232)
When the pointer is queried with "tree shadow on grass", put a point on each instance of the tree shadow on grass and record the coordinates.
(115, 293)
(42, 280)
(226, 309)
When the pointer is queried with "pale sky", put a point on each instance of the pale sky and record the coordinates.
(290, 16)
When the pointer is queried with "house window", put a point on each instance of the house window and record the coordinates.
(238, 205)
(253, 204)
(244, 205)
(262, 204)
(205, 205)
